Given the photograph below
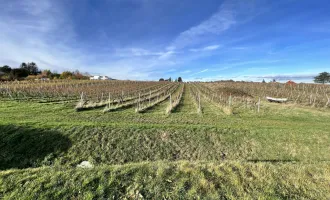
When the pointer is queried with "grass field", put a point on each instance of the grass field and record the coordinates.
(282, 152)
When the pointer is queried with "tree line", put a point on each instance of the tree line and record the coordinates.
(179, 79)
(30, 71)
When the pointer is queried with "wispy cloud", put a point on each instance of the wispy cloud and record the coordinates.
(306, 77)
(166, 55)
(36, 33)
(212, 47)
(221, 68)
(186, 72)
(239, 48)
(230, 13)
(59, 35)
(141, 52)
(42, 32)
(209, 78)
(132, 52)
(258, 68)
(204, 70)
(207, 48)
(236, 63)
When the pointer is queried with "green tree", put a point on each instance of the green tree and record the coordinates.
(161, 79)
(23, 65)
(263, 81)
(5, 69)
(18, 73)
(323, 77)
(66, 75)
(32, 68)
(78, 75)
(55, 75)
(179, 79)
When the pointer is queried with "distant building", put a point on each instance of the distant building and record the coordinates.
(100, 78)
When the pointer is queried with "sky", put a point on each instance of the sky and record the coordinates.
(199, 40)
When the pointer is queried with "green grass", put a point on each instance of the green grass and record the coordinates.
(23, 147)
(280, 153)
(171, 180)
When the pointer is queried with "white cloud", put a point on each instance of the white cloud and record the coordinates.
(230, 13)
(213, 47)
(207, 48)
(204, 70)
(205, 79)
(171, 70)
(166, 55)
(239, 48)
(33, 35)
(186, 72)
(221, 68)
(43, 33)
(129, 52)
(141, 52)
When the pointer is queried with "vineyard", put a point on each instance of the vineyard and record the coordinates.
(90, 91)
(116, 95)
(314, 95)
(163, 140)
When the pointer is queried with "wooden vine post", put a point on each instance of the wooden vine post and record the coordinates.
(246, 103)
(81, 98)
(199, 101)
(139, 101)
(170, 100)
(230, 101)
(109, 99)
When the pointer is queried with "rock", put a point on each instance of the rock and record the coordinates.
(85, 164)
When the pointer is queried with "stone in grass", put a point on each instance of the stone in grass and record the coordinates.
(85, 164)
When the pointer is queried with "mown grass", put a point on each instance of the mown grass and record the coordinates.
(171, 180)
(23, 147)
(279, 153)
(120, 145)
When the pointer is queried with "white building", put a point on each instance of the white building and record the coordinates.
(100, 78)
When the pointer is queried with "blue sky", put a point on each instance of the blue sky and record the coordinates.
(200, 40)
